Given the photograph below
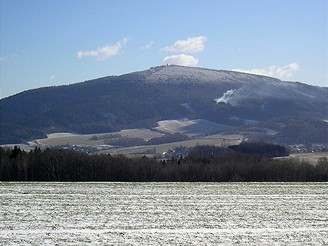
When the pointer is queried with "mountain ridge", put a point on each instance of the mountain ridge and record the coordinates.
(192, 74)
(143, 98)
(151, 70)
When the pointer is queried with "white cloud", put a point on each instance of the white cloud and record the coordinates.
(273, 71)
(189, 45)
(104, 52)
(183, 60)
(147, 46)
(288, 70)
(52, 77)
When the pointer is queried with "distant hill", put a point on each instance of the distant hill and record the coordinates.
(280, 111)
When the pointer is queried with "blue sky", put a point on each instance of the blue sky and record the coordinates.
(55, 42)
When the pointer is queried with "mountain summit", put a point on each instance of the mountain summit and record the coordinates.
(174, 73)
(291, 112)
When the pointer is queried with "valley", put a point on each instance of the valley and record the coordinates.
(159, 142)
(172, 138)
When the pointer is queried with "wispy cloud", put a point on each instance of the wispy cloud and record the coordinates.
(147, 46)
(189, 45)
(273, 71)
(183, 60)
(288, 70)
(6, 58)
(104, 53)
(52, 77)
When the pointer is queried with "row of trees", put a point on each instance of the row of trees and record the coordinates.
(265, 149)
(205, 164)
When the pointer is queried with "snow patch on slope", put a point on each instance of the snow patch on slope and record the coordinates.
(192, 128)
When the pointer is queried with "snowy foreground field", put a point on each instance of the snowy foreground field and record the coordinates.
(163, 213)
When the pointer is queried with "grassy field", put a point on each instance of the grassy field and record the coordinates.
(192, 128)
(309, 157)
(216, 140)
(94, 140)
(199, 131)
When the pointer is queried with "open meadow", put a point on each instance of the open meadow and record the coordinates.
(101, 143)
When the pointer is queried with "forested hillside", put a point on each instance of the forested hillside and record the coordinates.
(141, 99)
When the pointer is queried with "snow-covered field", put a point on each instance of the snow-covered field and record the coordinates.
(163, 213)
(191, 128)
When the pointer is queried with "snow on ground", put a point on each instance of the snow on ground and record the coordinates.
(181, 73)
(61, 134)
(192, 128)
(163, 213)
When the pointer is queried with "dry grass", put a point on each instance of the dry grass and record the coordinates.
(310, 157)
(59, 139)
(216, 140)
(91, 139)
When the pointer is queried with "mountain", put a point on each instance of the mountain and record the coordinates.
(289, 112)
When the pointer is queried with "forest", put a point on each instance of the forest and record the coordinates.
(248, 163)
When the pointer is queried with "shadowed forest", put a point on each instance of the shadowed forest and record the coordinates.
(242, 163)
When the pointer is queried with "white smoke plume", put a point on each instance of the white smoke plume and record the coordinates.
(256, 92)
(226, 97)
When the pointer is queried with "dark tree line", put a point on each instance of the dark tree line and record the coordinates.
(203, 164)
(266, 149)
